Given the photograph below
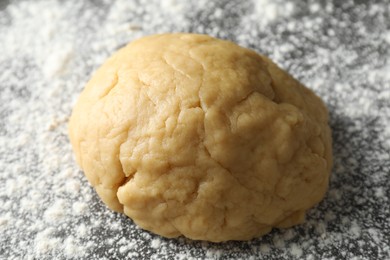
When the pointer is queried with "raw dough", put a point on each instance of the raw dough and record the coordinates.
(195, 136)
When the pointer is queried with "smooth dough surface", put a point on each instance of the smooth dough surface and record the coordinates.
(191, 135)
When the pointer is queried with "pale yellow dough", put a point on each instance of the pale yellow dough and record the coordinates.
(195, 136)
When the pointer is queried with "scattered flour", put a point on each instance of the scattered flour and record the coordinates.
(355, 230)
(267, 11)
(278, 242)
(289, 234)
(296, 250)
(71, 247)
(265, 248)
(155, 243)
(213, 254)
(56, 211)
(79, 208)
(49, 50)
(4, 220)
(56, 62)
(45, 242)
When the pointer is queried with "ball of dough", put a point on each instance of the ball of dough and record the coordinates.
(191, 135)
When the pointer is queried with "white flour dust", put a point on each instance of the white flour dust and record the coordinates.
(49, 49)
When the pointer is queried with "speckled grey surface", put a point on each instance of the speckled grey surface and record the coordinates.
(48, 50)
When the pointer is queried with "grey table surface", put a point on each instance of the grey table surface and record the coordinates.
(48, 50)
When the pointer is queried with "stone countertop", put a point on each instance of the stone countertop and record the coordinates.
(49, 49)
